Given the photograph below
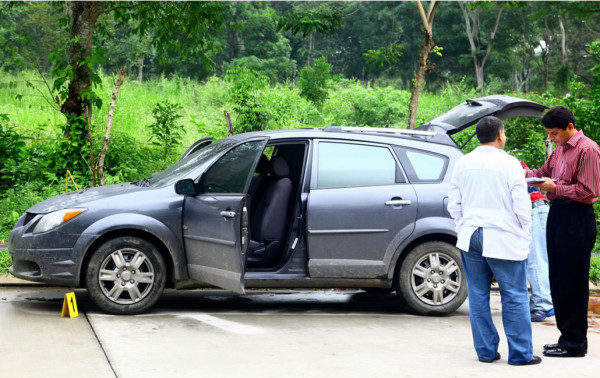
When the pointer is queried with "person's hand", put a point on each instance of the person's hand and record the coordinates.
(548, 185)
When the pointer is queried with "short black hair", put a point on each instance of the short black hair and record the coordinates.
(558, 117)
(487, 129)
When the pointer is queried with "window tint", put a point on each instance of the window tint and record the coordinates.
(422, 165)
(342, 165)
(230, 173)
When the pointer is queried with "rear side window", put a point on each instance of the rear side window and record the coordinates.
(230, 173)
(422, 166)
(344, 165)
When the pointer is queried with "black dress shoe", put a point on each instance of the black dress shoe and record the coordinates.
(534, 361)
(492, 360)
(551, 346)
(560, 352)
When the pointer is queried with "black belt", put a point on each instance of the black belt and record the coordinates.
(539, 202)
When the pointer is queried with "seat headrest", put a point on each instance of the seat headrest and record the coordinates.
(279, 167)
(263, 165)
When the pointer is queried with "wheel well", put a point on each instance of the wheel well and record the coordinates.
(450, 239)
(162, 248)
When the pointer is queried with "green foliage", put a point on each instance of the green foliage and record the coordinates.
(129, 160)
(525, 140)
(354, 104)
(166, 132)
(11, 146)
(15, 201)
(177, 29)
(244, 93)
(388, 55)
(324, 19)
(313, 82)
(5, 262)
(584, 100)
(595, 270)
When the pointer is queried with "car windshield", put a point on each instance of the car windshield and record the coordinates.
(185, 166)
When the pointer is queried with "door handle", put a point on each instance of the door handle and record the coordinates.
(228, 214)
(398, 202)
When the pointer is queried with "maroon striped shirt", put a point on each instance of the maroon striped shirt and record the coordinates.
(576, 168)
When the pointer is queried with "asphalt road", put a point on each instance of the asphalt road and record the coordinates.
(264, 334)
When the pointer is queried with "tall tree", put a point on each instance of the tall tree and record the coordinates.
(183, 28)
(424, 66)
(308, 19)
(481, 45)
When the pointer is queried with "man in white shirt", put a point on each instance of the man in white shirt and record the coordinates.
(490, 205)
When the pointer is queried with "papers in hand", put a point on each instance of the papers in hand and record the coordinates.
(536, 180)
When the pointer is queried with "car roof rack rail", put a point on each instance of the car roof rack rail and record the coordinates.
(376, 130)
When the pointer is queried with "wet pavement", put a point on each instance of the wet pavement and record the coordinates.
(211, 333)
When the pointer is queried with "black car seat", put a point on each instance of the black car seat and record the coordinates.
(259, 182)
(269, 223)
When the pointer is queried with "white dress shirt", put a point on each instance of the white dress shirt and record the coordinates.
(488, 190)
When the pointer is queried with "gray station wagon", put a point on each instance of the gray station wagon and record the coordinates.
(334, 207)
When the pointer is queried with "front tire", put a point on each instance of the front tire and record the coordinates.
(125, 275)
(431, 280)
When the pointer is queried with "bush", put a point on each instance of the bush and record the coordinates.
(313, 82)
(130, 160)
(166, 132)
(244, 93)
(353, 104)
(11, 145)
(595, 270)
(16, 201)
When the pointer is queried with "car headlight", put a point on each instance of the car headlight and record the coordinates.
(56, 218)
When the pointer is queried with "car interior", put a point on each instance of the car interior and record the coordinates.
(273, 190)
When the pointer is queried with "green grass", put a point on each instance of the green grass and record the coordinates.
(5, 262)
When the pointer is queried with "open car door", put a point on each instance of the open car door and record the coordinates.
(216, 220)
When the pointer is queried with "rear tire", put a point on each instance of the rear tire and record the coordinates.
(431, 280)
(125, 276)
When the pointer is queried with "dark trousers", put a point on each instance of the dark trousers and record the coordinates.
(570, 236)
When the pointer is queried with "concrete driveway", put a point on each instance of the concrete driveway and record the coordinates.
(204, 333)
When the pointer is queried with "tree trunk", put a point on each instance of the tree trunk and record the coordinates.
(140, 75)
(83, 17)
(477, 43)
(426, 48)
(480, 75)
(111, 112)
(424, 67)
(563, 42)
(229, 124)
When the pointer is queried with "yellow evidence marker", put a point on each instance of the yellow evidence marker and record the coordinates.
(69, 306)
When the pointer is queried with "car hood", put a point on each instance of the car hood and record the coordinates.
(472, 110)
(75, 199)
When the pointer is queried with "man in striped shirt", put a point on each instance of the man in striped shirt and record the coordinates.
(572, 180)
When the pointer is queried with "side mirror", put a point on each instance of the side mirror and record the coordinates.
(185, 187)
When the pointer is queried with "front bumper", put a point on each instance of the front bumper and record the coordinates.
(52, 266)
(43, 257)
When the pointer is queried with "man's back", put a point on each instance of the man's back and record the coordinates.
(488, 190)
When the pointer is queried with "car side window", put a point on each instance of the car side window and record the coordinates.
(422, 166)
(230, 173)
(345, 164)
